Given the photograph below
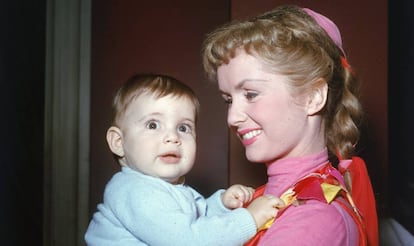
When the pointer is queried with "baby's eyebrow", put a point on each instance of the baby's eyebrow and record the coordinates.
(188, 120)
(146, 116)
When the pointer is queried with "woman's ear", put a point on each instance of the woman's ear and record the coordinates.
(114, 139)
(317, 98)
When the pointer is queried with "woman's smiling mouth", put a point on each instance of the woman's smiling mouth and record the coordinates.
(250, 134)
(247, 137)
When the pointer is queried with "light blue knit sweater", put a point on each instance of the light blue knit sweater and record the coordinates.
(143, 210)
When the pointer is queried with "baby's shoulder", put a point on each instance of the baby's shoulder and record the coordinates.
(128, 185)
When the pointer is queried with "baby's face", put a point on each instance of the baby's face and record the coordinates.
(159, 136)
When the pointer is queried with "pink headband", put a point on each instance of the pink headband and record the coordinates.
(330, 28)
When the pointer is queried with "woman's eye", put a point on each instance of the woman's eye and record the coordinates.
(152, 125)
(185, 128)
(250, 95)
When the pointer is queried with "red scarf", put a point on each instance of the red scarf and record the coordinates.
(326, 185)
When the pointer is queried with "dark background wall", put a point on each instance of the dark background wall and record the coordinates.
(401, 108)
(22, 59)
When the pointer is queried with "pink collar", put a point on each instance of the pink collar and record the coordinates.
(284, 173)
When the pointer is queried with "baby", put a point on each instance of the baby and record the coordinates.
(153, 137)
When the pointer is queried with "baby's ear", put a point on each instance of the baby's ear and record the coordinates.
(317, 97)
(114, 139)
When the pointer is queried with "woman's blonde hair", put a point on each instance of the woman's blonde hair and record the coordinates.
(290, 42)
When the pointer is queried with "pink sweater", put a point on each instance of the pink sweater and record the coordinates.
(313, 223)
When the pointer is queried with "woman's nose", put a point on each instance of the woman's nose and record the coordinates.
(235, 115)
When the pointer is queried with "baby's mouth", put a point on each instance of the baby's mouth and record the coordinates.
(170, 158)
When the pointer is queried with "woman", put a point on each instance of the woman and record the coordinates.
(293, 103)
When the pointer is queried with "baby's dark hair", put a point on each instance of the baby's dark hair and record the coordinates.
(157, 85)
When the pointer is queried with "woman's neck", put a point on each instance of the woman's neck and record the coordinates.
(284, 173)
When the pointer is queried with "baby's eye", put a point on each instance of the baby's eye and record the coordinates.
(250, 95)
(152, 125)
(185, 128)
(227, 99)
